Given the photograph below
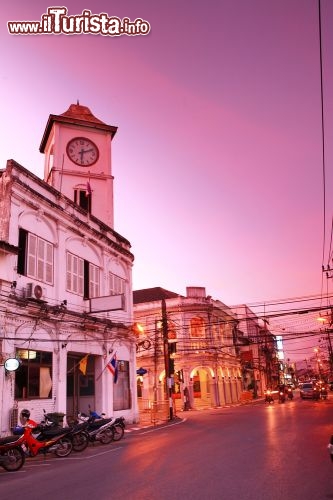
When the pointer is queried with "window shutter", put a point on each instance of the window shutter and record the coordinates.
(111, 285)
(117, 284)
(31, 257)
(69, 271)
(49, 263)
(75, 274)
(40, 259)
(80, 276)
(93, 281)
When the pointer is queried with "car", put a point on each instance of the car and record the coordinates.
(308, 390)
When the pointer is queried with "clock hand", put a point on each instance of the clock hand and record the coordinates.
(87, 150)
(81, 154)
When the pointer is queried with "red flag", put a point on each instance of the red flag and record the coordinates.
(112, 366)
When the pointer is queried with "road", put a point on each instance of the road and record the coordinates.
(249, 452)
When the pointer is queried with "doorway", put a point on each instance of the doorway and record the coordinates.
(80, 386)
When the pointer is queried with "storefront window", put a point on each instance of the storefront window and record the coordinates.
(121, 390)
(33, 379)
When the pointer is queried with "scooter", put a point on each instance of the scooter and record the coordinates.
(269, 397)
(76, 432)
(97, 429)
(316, 394)
(46, 440)
(323, 393)
(118, 425)
(290, 393)
(12, 456)
(96, 421)
(282, 397)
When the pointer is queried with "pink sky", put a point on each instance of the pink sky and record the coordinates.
(218, 156)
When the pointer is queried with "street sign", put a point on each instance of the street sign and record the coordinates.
(141, 371)
(107, 303)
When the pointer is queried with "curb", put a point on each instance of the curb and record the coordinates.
(144, 426)
(139, 427)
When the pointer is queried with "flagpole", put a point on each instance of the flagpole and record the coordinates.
(77, 364)
(89, 193)
(99, 376)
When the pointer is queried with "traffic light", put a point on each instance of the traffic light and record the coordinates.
(172, 347)
(171, 366)
(180, 374)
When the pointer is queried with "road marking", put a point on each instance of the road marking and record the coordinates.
(164, 427)
(102, 453)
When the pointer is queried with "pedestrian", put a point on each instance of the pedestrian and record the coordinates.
(25, 419)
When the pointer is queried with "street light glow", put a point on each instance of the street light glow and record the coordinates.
(11, 364)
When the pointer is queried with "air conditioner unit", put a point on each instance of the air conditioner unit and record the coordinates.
(33, 291)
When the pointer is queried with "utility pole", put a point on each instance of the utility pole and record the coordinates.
(167, 358)
(330, 353)
(155, 366)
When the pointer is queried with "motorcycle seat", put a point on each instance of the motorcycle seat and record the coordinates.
(8, 439)
(95, 424)
(52, 432)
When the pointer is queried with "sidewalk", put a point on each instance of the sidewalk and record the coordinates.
(150, 425)
(182, 414)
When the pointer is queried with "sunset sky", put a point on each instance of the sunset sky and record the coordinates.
(218, 157)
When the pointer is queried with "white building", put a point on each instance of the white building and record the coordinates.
(65, 278)
(197, 348)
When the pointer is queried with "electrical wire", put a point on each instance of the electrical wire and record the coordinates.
(322, 129)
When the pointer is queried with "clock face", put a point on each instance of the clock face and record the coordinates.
(82, 151)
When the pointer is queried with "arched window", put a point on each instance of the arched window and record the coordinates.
(172, 333)
(197, 328)
(197, 331)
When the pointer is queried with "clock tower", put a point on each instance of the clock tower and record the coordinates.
(77, 148)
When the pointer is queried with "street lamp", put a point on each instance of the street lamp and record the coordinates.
(11, 364)
(316, 350)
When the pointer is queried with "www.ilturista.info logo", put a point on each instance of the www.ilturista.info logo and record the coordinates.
(57, 22)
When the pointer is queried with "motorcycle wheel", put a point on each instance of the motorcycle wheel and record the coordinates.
(64, 447)
(80, 441)
(118, 432)
(16, 459)
(107, 436)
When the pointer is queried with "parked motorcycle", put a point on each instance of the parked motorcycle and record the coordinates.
(269, 396)
(282, 397)
(118, 428)
(76, 432)
(117, 425)
(42, 439)
(12, 456)
(97, 429)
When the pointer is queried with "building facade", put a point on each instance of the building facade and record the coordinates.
(258, 351)
(65, 279)
(190, 341)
